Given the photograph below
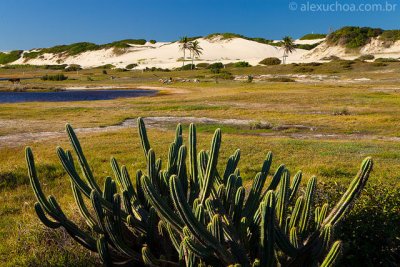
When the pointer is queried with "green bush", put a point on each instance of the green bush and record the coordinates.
(78, 48)
(241, 64)
(106, 67)
(228, 35)
(371, 231)
(73, 67)
(202, 65)
(313, 36)
(224, 75)
(307, 46)
(156, 69)
(385, 60)
(187, 67)
(152, 41)
(303, 69)
(56, 77)
(131, 66)
(31, 55)
(55, 67)
(281, 79)
(353, 37)
(331, 58)
(216, 65)
(390, 35)
(9, 57)
(366, 57)
(269, 61)
(379, 64)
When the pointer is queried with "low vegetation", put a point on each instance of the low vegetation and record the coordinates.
(9, 57)
(384, 60)
(353, 37)
(270, 61)
(56, 77)
(78, 48)
(366, 57)
(313, 36)
(131, 66)
(390, 35)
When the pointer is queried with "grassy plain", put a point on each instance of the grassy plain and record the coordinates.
(335, 115)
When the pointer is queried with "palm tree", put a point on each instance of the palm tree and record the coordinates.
(288, 47)
(195, 50)
(184, 44)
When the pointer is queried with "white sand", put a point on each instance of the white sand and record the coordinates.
(168, 55)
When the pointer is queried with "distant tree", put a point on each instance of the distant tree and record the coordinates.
(288, 47)
(184, 44)
(195, 50)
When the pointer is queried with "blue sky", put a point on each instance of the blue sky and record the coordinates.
(26, 24)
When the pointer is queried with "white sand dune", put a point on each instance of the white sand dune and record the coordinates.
(169, 55)
(217, 49)
(376, 47)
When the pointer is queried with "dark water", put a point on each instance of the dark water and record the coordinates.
(72, 95)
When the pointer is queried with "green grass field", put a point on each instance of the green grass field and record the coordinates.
(321, 126)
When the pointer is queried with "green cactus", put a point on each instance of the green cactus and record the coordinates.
(190, 215)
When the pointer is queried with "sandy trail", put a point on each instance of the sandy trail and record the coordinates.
(15, 140)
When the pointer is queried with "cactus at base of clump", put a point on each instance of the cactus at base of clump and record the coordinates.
(195, 215)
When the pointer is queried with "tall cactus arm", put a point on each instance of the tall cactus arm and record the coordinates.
(148, 258)
(267, 256)
(231, 165)
(216, 228)
(178, 136)
(42, 216)
(253, 199)
(151, 168)
(295, 185)
(174, 237)
(102, 249)
(81, 158)
(283, 197)
(211, 166)
(181, 167)
(275, 180)
(162, 208)
(171, 163)
(238, 206)
(199, 250)
(198, 230)
(202, 160)
(143, 136)
(294, 218)
(37, 189)
(117, 171)
(333, 255)
(113, 228)
(73, 174)
(322, 215)
(83, 209)
(293, 237)
(139, 190)
(193, 153)
(283, 242)
(351, 194)
(306, 211)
